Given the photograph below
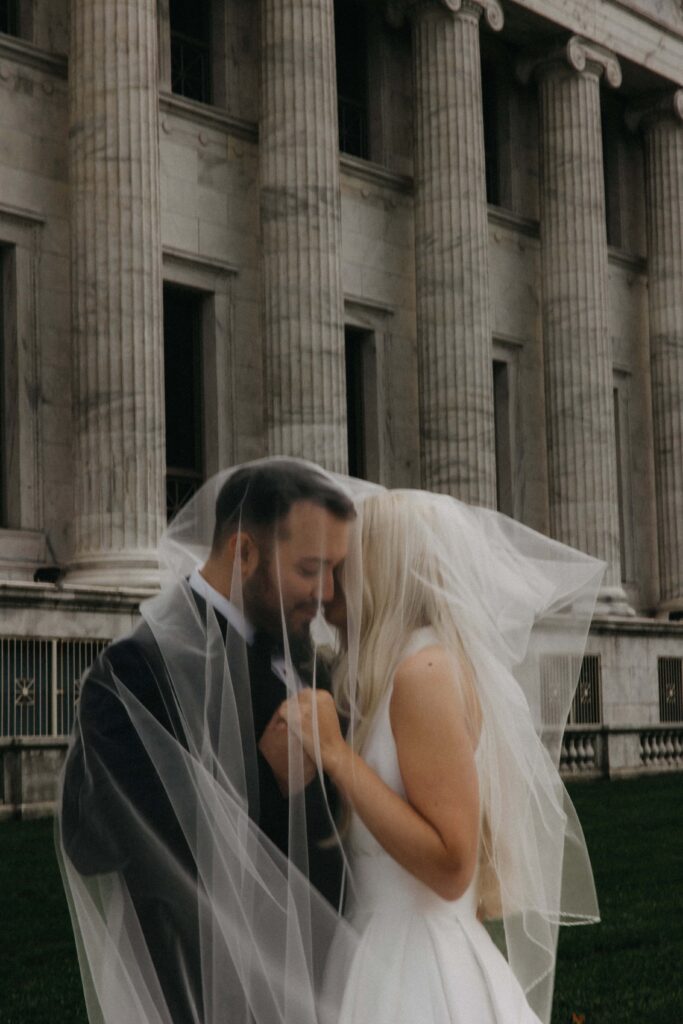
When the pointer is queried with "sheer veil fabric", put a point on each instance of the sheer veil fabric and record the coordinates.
(188, 903)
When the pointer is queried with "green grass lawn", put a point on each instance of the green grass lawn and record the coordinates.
(627, 970)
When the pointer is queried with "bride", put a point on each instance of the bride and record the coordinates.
(455, 812)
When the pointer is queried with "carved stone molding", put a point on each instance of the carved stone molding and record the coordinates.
(398, 10)
(649, 110)
(576, 53)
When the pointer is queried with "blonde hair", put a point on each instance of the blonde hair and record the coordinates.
(404, 554)
(402, 591)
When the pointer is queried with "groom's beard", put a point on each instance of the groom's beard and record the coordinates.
(262, 607)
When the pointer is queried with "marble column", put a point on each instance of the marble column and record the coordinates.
(116, 292)
(582, 459)
(300, 207)
(451, 249)
(662, 122)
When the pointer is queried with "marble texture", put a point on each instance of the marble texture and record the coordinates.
(451, 251)
(300, 208)
(116, 292)
(582, 463)
(663, 128)
(210, 236)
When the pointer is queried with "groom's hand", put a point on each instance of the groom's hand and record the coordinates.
(274, 746)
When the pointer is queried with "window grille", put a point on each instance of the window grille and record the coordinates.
(190, 68)
(74, 658)
(587, 704)
(39, 680)
(558, 673)
(191, 74)
(670, 677)
(181, 484)
(351, 55)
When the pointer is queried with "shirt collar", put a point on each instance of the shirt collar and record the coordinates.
(222, 604)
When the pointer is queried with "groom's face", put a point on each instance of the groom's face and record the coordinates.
(295, 571)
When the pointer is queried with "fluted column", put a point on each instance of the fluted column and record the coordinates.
(116, 291)
(451, 249)
(301, 233)
(662, 121)
(582, 460)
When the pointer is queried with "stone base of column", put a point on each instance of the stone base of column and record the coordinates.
(130, 570)
(668, 609)
(612, 601)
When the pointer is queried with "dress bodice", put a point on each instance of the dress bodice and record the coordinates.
(378, 881)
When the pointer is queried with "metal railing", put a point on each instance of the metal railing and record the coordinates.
(39, 684)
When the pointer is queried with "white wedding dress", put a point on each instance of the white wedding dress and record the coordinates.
(420, 959)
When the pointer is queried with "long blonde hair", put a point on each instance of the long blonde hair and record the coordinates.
(401, 562)
(401, 592)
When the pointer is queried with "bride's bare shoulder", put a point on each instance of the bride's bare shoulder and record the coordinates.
(431, 682)
(431, 666)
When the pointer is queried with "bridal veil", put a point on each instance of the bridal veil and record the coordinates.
(184, 909)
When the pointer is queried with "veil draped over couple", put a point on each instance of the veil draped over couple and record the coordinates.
(318, 783)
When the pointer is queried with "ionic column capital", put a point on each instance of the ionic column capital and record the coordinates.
(398, 10)
(648, 111)
(577, 54)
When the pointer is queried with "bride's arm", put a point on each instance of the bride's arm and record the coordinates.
(434, 833)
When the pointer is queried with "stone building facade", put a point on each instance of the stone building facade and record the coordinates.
(436, 242)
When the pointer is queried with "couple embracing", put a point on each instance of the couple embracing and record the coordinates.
(317, 784)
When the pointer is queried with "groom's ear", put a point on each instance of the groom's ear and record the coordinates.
(243, 548)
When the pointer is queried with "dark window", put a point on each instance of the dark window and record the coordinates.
(621, 496)
(611, 121)
(490, 104)
(9, 17)
(358, 343)
(351, 46)
(191, 49)
(183, 309)
(670, 678)
(501, 414)
(624, 477)
(4, 327)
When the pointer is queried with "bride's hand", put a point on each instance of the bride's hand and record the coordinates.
(303, 712)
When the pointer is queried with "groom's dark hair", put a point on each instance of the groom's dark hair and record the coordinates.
(261, 495)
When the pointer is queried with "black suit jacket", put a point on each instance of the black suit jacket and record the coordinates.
(108, 771)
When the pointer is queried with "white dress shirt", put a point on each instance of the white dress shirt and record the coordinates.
(241, 624)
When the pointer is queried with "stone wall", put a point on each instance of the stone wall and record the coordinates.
(211, 240)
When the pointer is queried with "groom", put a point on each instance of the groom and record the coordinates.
(281, 530)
